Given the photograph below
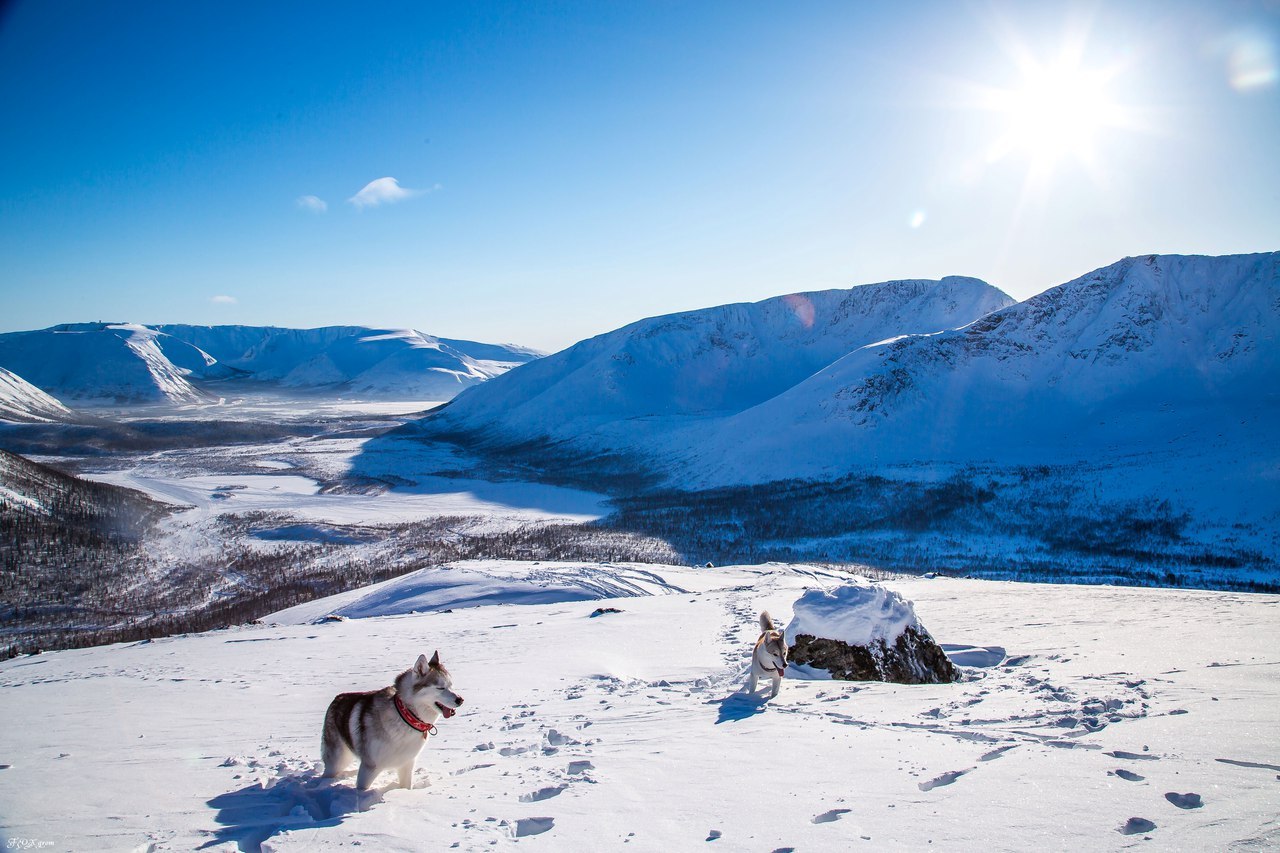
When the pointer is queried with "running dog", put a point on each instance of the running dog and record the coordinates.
(387, 728)
(769, 658)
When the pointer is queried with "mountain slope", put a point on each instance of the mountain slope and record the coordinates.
(354, 358)
(22, 402)
(1115, 709)
(1133, 355)
(130, 363)
(70, 553)
(109, 362)
(712, 361)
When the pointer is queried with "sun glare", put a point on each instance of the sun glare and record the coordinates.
(1057, 111)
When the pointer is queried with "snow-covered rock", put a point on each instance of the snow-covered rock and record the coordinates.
(22, 402)
(713, 361)
(864, 632)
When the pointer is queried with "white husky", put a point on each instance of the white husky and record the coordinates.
(769, 658)
(387, 728)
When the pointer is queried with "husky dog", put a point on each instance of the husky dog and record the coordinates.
(769, 656)
(387, 728)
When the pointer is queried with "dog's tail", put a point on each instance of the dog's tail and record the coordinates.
(766, 621)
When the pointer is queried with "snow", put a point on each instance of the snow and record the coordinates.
(857, 614)
(300, 497)
(22, 402)
(628, 729)
(473, 583)
(1149, 380)
(402, 363)
(1142, 354)
(710, 361)
(111, 363)
(107, 362)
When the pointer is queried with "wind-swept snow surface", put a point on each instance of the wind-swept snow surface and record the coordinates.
(1089, 718)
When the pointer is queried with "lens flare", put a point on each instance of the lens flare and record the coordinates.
(801, 307)
(1251, 61)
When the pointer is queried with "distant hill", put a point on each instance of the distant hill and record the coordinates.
(129, 363)
(109, 362)
(355, 359)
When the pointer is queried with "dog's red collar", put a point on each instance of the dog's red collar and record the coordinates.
(412, 719)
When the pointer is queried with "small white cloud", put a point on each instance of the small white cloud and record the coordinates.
(223, 299)
(381, 191)
(313, 203)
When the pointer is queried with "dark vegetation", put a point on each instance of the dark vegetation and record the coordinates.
(541, 460)
(65, 541)
(109, 589)
(960, 525)
(104, 438)
(89, 566)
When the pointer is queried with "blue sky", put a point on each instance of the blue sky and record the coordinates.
(572, 167)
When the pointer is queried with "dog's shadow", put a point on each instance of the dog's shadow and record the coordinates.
(740, 705)
(253, 814)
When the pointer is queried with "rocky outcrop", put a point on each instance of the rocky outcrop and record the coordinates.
(913, 658)
(865, 632)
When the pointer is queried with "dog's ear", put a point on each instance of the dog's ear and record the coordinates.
(421, 666)
(435, 661)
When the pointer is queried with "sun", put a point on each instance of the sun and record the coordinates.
(1057, 111)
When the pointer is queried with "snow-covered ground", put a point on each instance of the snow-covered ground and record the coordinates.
(1082, 708)
(300, 497)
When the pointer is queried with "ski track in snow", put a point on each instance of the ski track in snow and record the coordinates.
(632, 729)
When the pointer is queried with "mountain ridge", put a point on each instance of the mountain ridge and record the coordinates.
(705, 362)
(1155, 339)
(129, 363)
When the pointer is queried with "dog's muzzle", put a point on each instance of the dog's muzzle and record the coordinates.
(446, 710)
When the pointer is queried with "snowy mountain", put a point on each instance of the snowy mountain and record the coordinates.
(22, 402)
(1131, 357)
(714, 361)
(355, 359)
(110, 362)
(130, 363)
